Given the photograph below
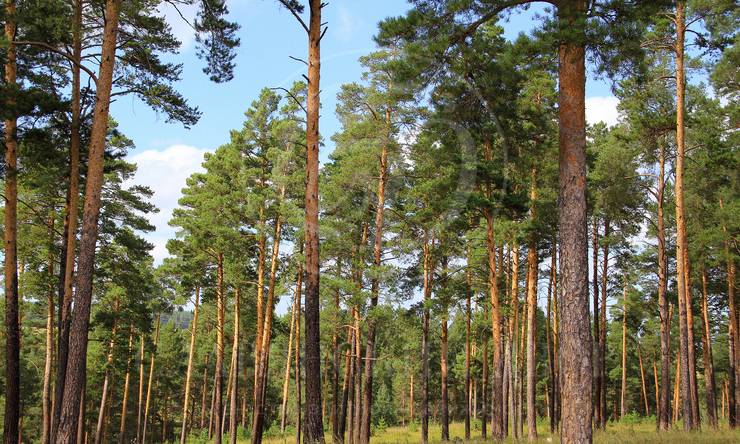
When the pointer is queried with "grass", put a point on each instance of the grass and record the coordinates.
(642, 431)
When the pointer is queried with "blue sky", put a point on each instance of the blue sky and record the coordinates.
(168, 153)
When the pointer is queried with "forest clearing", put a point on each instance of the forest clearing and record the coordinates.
(518, 222)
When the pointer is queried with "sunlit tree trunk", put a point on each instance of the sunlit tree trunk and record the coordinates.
(189, 372)
(286, 377)
(532, 264)
(469, 294)
(596, 355)
(642, 379)
(663, 411)
(126, 384)
(147, 403)
(427, 291)
(106, 382)
(46, 399)
(623, 393)
(297, 357)
(708, 364)
(140, 402)
(233, 408)
(513, 335)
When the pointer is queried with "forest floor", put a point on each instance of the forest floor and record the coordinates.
(616, 433)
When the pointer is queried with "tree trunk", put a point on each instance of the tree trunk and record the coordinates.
(148, 401)
(733, 334)
(642, 379)
(656, 384)
(297, 357)
(597, 361)
(513, 334)
(233, 408)
(203, 394)
(77, 356)
(443, 370)
(11, 433)
(335, 401)
(367, 400)
(623, 392)
(260, 308)
(708, 363)
(681, 236)
(69, 237)
(189, 373)
(663, 414)
(264, 348)
(346, 390)
(484, 392)
(556, 337)
(218, 371)
(286, 378)
(550, 351)
(428, 273)
(126, 384)
(314, 426)
(574, 308)
(602, 321)
(46, 399)
(497, 420)
(469, 294)
(140, 403)
(532, 264)
(106, 382)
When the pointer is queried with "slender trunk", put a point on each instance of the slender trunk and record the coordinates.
(367, 400)
(642, 379)
(623, 393)
(497, 363)
(126, 384)
(77, 356)
(550, 351)
(681, 236)
(233, 410)
(484, 392)
(69, 237)
(469, 294)
(189, 373)
(314, 426)
(218, 371)
(11, 432)
(411, 399)
(81, 431)
(286, 378)
(203, 394)
(346, 390)
(260, 306)
(532, 264)
(297, 357)
(656, 384)
(708, 364)
(663, 414)
(264, 348)
(521, 370)
(602, 321)
(106, 382)
(46, 399)
(676, 391)
(733, 335)
(357, 395)
(148, 401)
(443, 371)
(513, 333)
(140, 403)
(596, 360)
(335, 401)
(427, 290)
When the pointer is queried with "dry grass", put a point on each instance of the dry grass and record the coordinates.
(616, 433)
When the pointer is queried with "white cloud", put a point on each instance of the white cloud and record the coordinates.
(602, 109)
(165, 172)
